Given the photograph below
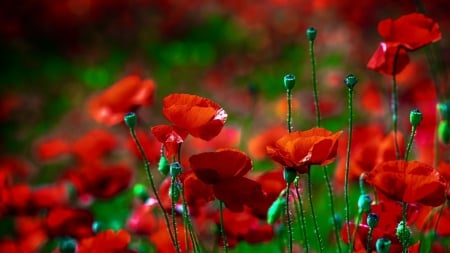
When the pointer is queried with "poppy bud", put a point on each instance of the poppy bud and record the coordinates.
(383, 245)
(415, 117)
(350, 81)
(444, 131)
(311, 33)
(289, 81)
(67, 245)
(140, 191)
(403, 233)
(364, 202)
(163, 166)
(289, 174)
(130, 119)
(276, 210)
(175, 169)
(174, 193)
(372, 220)
(444, 110)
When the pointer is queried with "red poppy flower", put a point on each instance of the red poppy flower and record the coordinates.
(229, 137)
(52, 149)
(142, 220)
(93, 145)
(49, 196)
(411, 31)
(383, 59)
(106, 241)
(100, 182)
(410, 182)
(299, 150)
(124, 96)
(272, 183)
(224, 170)
(67, 221)
(170, 136)
(257, 144)
(201, 117)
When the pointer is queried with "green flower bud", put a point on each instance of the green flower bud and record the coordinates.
(372, 220)
(163, 166)
(415, 117)
(404, 233)
(311, 33)
(289, 174)
(444, 131)
(130, 119)
(383, 245)
(175, 169)
(289, 81)
(97, 226)
(276, 210)
(350, 81)
(140, 191)
(364, 202)
(67, 245)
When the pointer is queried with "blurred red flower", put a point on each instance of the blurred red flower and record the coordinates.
(199, 116)
(300, 150)
(106, 241)
(407, 33)
(151, 146)
(90, 148)
(410, 182)
(124, 96)
(257, 144)
(68, 221)
(411, 31)
(225, 170)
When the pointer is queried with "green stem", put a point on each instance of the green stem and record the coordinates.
(288, 217)
(410, 141)
(314, 81)
(316, 225)
(152, 184)
(222, 228)
(188, 222)
(403, 240)
(357, 222)
(289, 112)
(369, 239)
(347, 160)
(394, 103)
(301, 213)
(333, 214)
(174, 222)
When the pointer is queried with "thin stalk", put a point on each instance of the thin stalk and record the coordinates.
(394, 103)
(302, 215)
(288, 217)
(316, 226)
(347, 160)
(369, 239)
(403, 241)
(357, 222)
(222, 228)
(174, 222)
(333, 214)
(410, 141)
(289, 113)
(314, 81)
(188, 222)
(152, 184)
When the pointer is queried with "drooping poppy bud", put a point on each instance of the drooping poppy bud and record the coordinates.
(140, 191)
(175, 169)
(444, 131)
(174, 192)
(163, 166)
(67, 245)
(372, 220)
(364, 202)
(276, 210)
